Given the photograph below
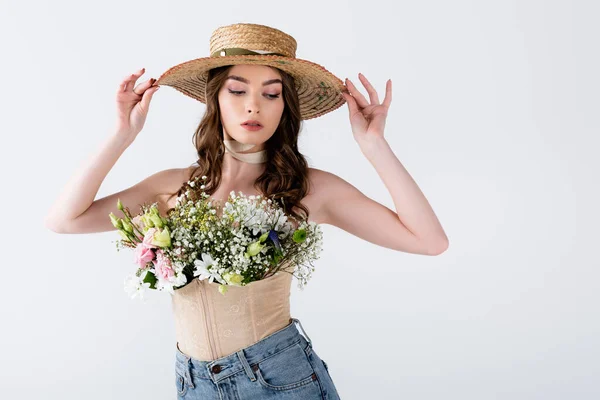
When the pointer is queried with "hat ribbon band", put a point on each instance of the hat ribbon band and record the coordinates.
(237, 51)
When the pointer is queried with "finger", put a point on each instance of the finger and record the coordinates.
(352, 106)
(142, 87)
(370, 89)
(145, 102)
(387, 100)
(360, 99)
(129, 82)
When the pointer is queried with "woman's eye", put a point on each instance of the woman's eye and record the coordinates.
(238, 92)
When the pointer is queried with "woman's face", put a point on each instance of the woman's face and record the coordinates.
(251, 92)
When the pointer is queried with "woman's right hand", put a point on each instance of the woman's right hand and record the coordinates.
(133, 103)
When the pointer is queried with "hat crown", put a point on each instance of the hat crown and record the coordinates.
(254, 37)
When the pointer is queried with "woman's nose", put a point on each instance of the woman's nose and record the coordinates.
(252, 105)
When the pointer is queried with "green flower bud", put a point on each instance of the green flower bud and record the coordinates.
(148, 221)
(127, 227)
(223, 289)
(158, 222)
(233, 278)
(119, 204)
(154, 211)
(117, 223)
(263, 237)
(162, 238)
(254, 248)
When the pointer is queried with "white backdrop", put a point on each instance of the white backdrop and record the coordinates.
(494, 114)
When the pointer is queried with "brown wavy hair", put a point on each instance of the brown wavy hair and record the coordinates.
(285, 179)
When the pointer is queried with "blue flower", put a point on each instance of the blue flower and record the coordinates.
(275, 239)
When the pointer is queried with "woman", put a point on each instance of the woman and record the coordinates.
(257, 93)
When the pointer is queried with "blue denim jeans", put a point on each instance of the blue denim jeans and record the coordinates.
(281, 365)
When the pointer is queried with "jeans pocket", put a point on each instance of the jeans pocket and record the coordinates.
(287, 369)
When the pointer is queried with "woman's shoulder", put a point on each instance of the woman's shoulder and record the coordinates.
(173, 178)
(187, 173)
(320, 179)
(169, 182)
(318, 194)
(326, 181)
(327, 188)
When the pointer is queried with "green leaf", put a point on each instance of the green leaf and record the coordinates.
(151, 279)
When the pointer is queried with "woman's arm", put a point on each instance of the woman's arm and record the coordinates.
(80, 191)
(76, 211)
(413, 227)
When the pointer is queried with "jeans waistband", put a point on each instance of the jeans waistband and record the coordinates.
(223, 367)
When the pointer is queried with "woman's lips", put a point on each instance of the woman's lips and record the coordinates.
(252, 127)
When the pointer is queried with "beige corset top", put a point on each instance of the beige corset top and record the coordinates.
(210, 325)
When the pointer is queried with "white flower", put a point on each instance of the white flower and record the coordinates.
(202, 271)
(135, 285)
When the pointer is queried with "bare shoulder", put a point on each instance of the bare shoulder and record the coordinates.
(322, 182)
(324, 186)
(168, 183)
(170, 180)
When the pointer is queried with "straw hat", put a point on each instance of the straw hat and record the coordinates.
(319, 90)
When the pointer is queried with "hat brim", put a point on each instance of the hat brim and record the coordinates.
(319, 91)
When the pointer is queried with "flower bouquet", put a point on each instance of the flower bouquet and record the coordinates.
(249, 238)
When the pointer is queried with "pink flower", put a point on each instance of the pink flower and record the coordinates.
(148, 237)
(143, 255)
(137, 220)
(163, 266)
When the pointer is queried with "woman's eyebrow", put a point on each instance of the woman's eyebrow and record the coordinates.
(265, 83)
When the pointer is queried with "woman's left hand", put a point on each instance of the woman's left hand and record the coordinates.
(367, 119)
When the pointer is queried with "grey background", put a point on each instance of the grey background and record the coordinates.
(494, 114)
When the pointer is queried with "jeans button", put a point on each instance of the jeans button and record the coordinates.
(216, 369)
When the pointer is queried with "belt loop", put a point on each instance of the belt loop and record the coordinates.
(303, 331)
(188, 366)
(246, 365)
(188, 373)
